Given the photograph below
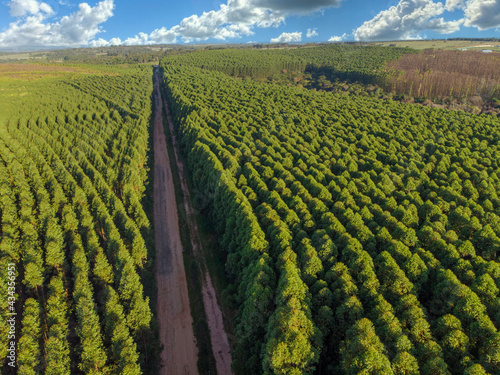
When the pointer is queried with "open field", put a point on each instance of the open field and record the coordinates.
(28, 72)
(443, 44)
(16, 56)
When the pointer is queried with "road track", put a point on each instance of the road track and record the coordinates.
(218, 337)
(180, 353)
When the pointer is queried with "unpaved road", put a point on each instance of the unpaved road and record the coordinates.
(213, 312)
(180, 354)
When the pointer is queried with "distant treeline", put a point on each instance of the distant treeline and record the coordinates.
(442, 74)
(354, 63)
(429, 74)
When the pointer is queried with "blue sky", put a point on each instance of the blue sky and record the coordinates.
(68, 23)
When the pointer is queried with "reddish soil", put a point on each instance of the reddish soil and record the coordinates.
(180, 354)
(213, 312)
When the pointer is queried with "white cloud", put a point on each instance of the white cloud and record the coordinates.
(311, 33)
(451, 5)
(406, 20)
(483, 14)
(99, 43)
(295, 6)
(105, 43)
(33, 30)
(234, 19)
(115, 41)
(163, 36)
(142, 38)
(20, 8)
(83, 25)
(338, 38)
(288, 38)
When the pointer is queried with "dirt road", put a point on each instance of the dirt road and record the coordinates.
(213, 312)
(180, 354)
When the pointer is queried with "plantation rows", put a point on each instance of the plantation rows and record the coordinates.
(353, 63)
(429, 74)
(359, 235)
(73, 173)
(446, 74)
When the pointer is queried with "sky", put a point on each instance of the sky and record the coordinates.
(29, 24)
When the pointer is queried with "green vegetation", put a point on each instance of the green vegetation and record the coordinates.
(341, 62)
(453, 79)
(74, 143)
(445, 44)
(359, 235)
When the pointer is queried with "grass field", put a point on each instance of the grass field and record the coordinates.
(14, 72)
(4, 57)
(444, 44)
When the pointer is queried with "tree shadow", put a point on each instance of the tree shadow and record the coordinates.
(333, 74)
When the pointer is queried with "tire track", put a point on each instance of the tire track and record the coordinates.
(213, 312)
(180, 353)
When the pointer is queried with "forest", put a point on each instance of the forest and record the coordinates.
(76, 233)
(468, 81)
(447, 74)
(359, 234)
(357, 231)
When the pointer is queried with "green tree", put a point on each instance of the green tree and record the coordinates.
(362, 351)
(29, 355)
